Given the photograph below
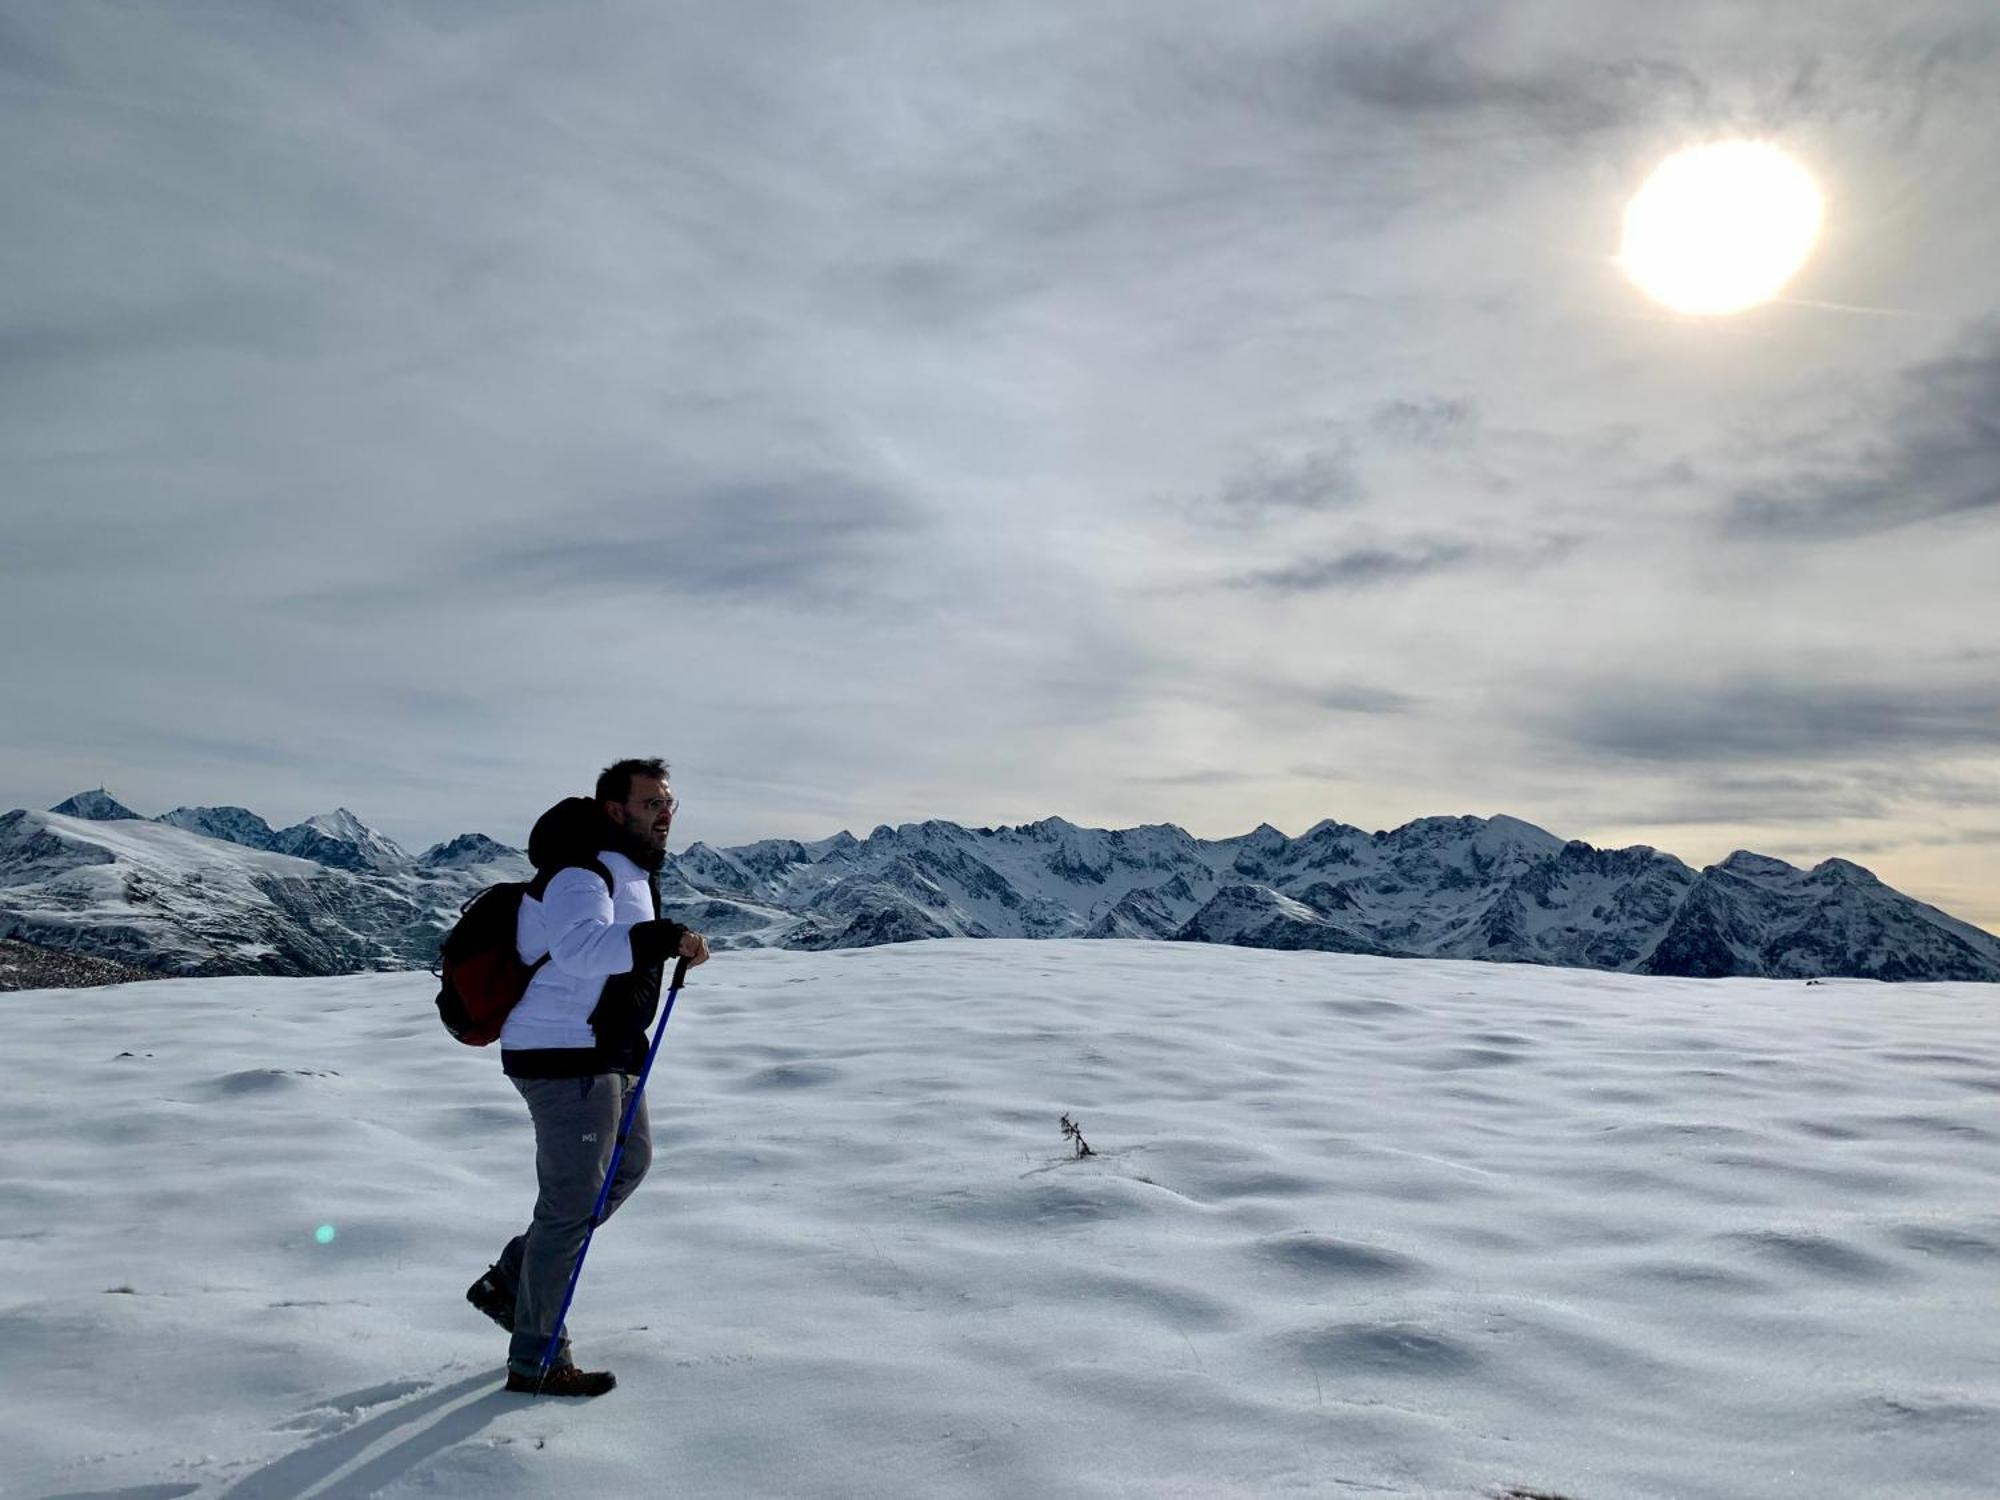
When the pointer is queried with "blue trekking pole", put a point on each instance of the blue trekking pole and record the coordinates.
(611, 1172)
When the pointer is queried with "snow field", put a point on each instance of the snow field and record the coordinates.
(1354, 1226)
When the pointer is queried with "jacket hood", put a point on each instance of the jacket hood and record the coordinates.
(570, 833)
(575, 831)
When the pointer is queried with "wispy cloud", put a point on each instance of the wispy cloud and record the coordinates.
(769, 537)
(1358, 699)
(253, 320)
(1364, 567)
(1374, 566)
(1435, 422)
(1315, 482)
(1441, 62)
(1204, 778)
(1933, 453)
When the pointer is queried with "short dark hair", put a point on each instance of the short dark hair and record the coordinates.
(614, 782)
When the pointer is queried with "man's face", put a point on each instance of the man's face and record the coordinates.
(647, 812)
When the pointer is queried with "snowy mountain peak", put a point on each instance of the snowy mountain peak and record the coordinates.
(1256, 916)
(708, 869)
(31, 850)
(235, 825)
(1744, 862)
(1500, 825)
(99, 806)
(341, 840)
(338, 824)
(467, 851)
(1256, 846)
(1434, 830)
(1049, 828)
(1330, 828)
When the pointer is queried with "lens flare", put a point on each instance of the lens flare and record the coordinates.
(324, 1234)
(1721, 227)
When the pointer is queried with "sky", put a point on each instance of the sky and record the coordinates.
(1131, 413)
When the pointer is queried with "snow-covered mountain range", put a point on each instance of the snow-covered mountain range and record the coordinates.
(216, 890)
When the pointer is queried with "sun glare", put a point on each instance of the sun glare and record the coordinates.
(1721, 227)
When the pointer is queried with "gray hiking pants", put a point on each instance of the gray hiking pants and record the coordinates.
(576, 1127)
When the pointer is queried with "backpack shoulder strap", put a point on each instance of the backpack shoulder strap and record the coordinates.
(538, 887)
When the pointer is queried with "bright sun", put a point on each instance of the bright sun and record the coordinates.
(1721, 227)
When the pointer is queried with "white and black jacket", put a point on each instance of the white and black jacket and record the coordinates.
(588, 1005)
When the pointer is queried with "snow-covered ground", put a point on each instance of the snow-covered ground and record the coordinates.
(1354, 1226)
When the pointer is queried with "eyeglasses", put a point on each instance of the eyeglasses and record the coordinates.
(668, 804)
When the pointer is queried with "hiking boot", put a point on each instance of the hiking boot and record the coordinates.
(492, 1297)
(564, 1380)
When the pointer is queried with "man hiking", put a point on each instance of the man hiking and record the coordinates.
(575, 1045)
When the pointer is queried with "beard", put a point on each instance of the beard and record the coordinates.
(637, 847)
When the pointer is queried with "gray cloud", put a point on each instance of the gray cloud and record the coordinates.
(25, 55)
(70, 543)
(1883, 792)
(1309, 771)
(1355, 699)
(1810, 853)
(1429, 62)
(1851, 848)
(1319, 481)
(255, 320)
(219, 751)
(768, 537)
(1434, 422)
(1203, 778)
(1936, 454)
(1590, 69)
(1363, 567)
(1750, 718)
(1370, 567)
(1426, 62)
(940, 293)
(1327, 477)
(1722, 799)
